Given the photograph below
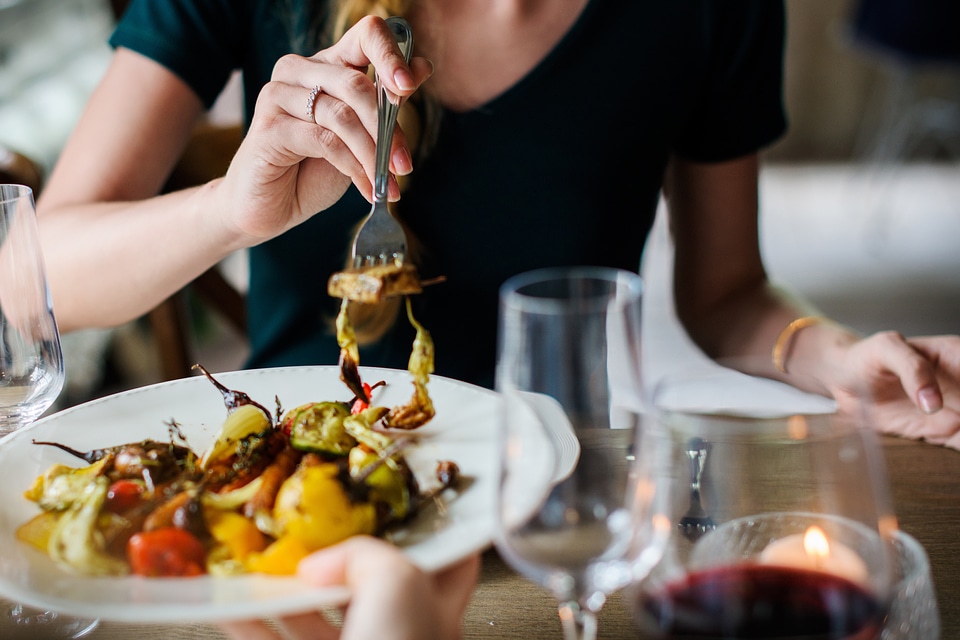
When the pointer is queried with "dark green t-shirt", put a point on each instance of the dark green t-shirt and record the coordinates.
(563, 168)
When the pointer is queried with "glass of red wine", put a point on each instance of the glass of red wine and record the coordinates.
(782, 519)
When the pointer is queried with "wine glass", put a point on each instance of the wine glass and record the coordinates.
(31, 364)
(798, 543)
(571, 515)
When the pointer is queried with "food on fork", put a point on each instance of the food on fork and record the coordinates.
(370, 285)
(265, 494)
(387, 280)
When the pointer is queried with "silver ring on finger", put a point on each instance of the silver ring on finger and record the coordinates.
(312, 101)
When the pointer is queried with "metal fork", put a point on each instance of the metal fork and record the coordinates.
(696, 521)
(380, 239)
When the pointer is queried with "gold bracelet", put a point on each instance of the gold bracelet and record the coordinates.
(781, 346)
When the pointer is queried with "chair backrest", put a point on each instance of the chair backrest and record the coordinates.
(17, 168)
(207, 156)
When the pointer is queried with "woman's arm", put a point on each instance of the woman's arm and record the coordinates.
(111, 253)
(735, 314)
(722, 294)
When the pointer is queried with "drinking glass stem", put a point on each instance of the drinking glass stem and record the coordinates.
(578, 623)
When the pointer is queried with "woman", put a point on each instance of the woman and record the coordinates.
(527, 147)
(532, 150)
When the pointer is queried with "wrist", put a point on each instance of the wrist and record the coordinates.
(783, 347)
(216, 211)
(810, 351)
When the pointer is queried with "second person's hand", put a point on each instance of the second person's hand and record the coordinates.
(391, 598)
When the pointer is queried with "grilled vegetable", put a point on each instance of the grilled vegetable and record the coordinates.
(318, 427)
(61, 486)
(167, 552)
(388, 482)
(233, 399)
(244, 421)
(419, 410)
(349, 353)
(371, 285)
(77, 542)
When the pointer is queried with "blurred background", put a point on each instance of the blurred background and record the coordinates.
(860, 201)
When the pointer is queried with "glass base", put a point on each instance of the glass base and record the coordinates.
(19, 622)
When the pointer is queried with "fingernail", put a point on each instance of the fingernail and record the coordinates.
(404, 80)
(393, 188)
(402, 163)
(930, 400)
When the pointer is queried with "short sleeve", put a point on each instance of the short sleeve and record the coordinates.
(198, 40)
(740, 107)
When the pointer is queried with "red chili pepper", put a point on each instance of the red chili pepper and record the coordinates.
(358, 404)
(123, 495)
(166, 552)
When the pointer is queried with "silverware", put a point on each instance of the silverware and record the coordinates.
(696, 521)
(380, 239)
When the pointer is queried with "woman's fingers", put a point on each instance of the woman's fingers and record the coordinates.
(341, 100)
(891, 352)
(333, 130)
(370, 41)
(944, 353)
(314, 131)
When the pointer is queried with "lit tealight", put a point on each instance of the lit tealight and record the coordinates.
(813, 551)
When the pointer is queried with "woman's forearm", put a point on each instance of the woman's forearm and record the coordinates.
(723, 296)
(111, 262)
(769, 332)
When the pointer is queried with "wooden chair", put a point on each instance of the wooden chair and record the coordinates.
(17, 168)
(206, 157)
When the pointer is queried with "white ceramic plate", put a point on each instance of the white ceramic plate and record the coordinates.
(464, 431)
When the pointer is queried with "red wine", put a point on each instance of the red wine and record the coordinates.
(757, 601)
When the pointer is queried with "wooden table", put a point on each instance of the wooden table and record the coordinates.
(926, 488)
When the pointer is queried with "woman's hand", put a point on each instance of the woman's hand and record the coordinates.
(301, 154)
(911, 385)
(391, 598)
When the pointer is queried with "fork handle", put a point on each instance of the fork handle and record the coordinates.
(697, 454)
(387, 111)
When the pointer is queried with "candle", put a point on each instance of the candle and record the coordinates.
(813, 551)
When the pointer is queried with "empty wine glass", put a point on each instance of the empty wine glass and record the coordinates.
(802, 520)
(572, 516)
(31, 366)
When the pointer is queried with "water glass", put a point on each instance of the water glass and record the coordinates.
(31, 363)
(572, 515)
(31, 367)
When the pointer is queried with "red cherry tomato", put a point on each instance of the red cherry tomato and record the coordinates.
(358, 404)
(166, 552)
(123, 495)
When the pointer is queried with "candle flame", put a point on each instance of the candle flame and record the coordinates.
(797, 428)
(815, 543)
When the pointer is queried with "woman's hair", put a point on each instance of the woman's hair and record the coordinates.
(419, 117)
